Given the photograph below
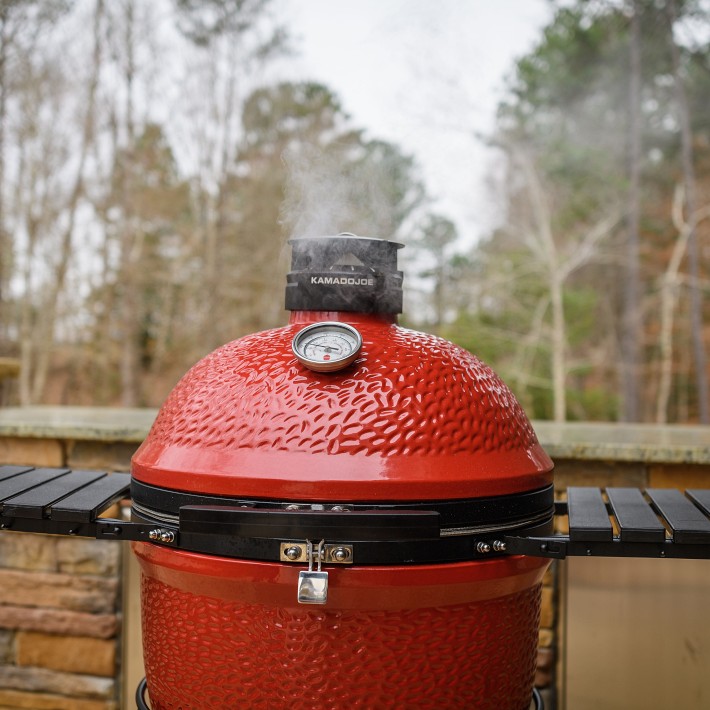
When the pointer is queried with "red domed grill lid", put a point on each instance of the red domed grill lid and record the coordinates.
(414, 424)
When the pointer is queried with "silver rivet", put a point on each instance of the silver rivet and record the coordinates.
(293, 553)
(293, 506)
(341, 554)
(338, 509)
(483, 547)
(167, 536)
(499, 546)
(154, 534)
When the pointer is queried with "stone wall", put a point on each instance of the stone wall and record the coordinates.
(59, 622)
(62, 636)
(60, 600)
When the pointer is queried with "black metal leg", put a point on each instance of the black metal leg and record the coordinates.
(140, 695)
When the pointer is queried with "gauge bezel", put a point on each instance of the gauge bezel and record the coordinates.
(337, 363)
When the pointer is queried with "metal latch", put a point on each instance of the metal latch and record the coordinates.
(331, 554)
(313, 584)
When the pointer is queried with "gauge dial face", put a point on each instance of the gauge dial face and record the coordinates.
(327, 347)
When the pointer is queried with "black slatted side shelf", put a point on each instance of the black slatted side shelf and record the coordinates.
(650, 523)
(15, 485)
(87, 503)
(588, 517)
(56, 495)
(36, 502)
(10, 471)
(687, 522)
(637, 521)
(59, 501)
(701, 497)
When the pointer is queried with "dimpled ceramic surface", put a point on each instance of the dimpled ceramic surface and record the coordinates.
(203, 652)
(414, 418)
(416, 415)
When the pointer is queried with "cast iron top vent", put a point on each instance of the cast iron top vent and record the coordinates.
(344, 273)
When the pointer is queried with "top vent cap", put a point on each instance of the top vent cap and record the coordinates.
(344, 273)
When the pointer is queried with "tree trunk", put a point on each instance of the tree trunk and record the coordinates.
(559, 347)
(544, 243)
(631, 320)
(55, 289)
(128, 309)
(4, 241)
(670, 285)
(696, 304)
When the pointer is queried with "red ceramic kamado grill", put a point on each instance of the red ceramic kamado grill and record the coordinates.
(345, 513)
(342, 486)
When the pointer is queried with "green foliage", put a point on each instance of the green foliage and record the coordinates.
(565, 135)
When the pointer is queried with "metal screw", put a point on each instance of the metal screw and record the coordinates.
(154, 534)
(341, 554)
(338, 509)
(293, 506)
(293, 553)
(167, 536)
(499, 546)
(483, 547)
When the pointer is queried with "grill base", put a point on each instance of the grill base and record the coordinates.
(141, 703)
(220, 633)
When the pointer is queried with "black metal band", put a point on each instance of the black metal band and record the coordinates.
(492, 511)
(380, 533)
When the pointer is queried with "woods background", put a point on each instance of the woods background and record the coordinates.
(152, 170)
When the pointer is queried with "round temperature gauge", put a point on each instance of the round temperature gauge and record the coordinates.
(327, 347)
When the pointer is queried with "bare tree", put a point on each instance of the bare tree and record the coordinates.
(232, 39)
(670, 284)
(689, 181)
(438, 234)
(65, 245)
(129, 240)
(558, 260)
(21, 21)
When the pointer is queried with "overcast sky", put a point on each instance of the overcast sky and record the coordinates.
(426, 74)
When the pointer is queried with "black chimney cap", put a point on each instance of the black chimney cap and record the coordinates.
(344, 273)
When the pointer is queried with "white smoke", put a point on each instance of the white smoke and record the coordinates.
(338, 189)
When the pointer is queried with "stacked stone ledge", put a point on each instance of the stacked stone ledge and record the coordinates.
(60, 603)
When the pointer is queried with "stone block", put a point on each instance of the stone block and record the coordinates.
(86, 556)
(28, 551)
(679, 476)
(101, 455)
(7, 646)
(73, 654)
(41, 680)
(59, 621)
(95, 595)
(545, 638)
(18, 700)
(544, 672)
(31, 452)
(547, 608)
(570, 472)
